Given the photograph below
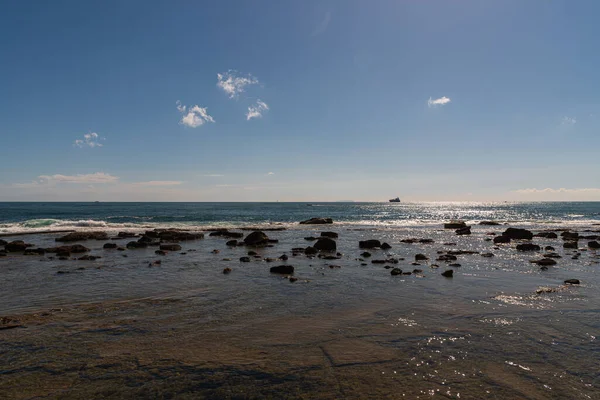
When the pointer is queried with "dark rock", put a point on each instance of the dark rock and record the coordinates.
(455, 224)
(594, 245)
(547, 235)
(244, 259)
(227, 271)
(461, 252)
(502, 239)
(378, 261)
(252, 253)
(282, 269)
(544, 261)
(385, 246)
(160, 252)
(173, 235)
(3, 242)
(137, 245)
(366, 254)
(454, 265)
(16, 246)
(80, 236)
(332, 235)
(487, 255)
(330, 257)
(446, 257)
(2, 254)
(325, 244)
(396, 271)
(543, 268)
(232, 243)
(335, 266)
(121, 248)
(426, 241)
(147, 239)
(552, 255)
(570, 235)
(417, 271)
(109, 246)
(310, 238)
(369, 244)
(518, 234)
(421, 257)
(463, 231)
(88, 258)
(493, 223)
(317, 221)
(292, 279)
(572, 282)
(448, 273)
(549, 248)
(226, 234)
(124, 235)
(256, 238)
(434, 266)
(283, 257)
(310, 251)
(170, 247)
(570, 245)
(38, 251)
(528, 247)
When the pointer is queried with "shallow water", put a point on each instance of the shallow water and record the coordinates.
(121, 328)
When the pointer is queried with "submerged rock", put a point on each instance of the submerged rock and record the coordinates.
(528, 247)
(502, 239)
(227, 271)
(572, 282)
(226, 234)
(137, 245)
(109, 246)
(81, 236)
(463, 231)
(518, 234)
(493, 223)
(455, 224)
(448, 273)
(317, 221)
(282, 269)
(332, 235)
(544, 261)
(421, 257)
(369, 244)
(385, 246)
(170, 247)
(570, 245)
(325, 244)
(256, 238)
(16, 246)
(396, 271)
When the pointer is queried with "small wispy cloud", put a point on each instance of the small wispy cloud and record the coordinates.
(568, 121)
(89, 140)
(158, 183)
(438, 102)
(256, 110)
(271, 173)
(232, 83)
(193, 116)
(323, 24)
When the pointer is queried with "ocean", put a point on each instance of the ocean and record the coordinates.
(134, 323)
(32, 217)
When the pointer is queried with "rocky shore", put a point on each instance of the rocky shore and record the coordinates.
(319, 311)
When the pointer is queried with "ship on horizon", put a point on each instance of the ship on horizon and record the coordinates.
(396, 200)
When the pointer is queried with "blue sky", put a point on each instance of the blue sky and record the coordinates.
(299, 100)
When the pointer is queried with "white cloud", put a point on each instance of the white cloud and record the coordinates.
(560, 190)
(233, 84)
(49, 180)
(158, 183)
(322, 27)
(271, 173)
(568, 121)
(257, 110)
(89, 140)
(438, 102)
(194, 116)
